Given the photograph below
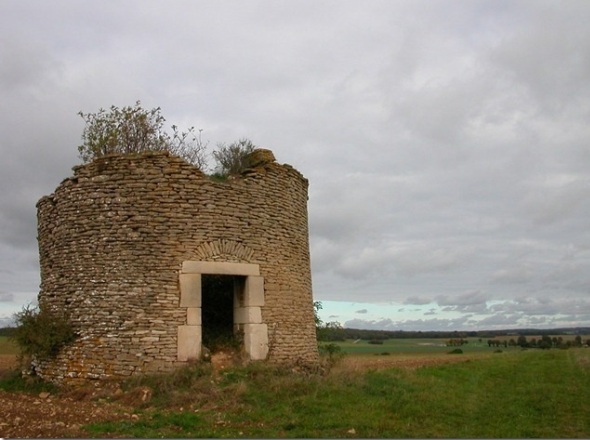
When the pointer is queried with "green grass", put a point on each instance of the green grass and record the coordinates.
(7, 346)
(517, 394)
(14, 382)
(168, 425)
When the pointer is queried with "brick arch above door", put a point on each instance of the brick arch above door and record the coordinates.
(226, 249)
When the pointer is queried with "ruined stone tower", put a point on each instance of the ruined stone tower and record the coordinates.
(126, 246)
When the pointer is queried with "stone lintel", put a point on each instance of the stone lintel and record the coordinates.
(218, 268)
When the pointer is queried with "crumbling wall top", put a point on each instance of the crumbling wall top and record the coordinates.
(259, 162)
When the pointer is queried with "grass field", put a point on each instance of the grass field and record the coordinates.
(7, 346)
(482, 393)
(430, 345)
(518, 394)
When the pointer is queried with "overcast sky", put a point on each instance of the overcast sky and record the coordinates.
(446, 142)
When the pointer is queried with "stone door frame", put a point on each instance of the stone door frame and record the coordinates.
(247, 308)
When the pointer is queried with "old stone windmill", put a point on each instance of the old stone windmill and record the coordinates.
(130, 245)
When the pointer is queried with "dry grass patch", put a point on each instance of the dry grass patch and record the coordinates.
(362, 363)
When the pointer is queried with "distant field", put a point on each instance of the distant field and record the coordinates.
(7, 346)
(416, 346)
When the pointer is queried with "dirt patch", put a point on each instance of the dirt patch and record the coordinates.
(54, 416)
(7, 362)
(49, 416)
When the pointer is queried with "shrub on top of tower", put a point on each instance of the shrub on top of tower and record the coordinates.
(233, 159)
(136, 130)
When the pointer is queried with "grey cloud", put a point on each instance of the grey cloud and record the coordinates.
(414, 300)
(24, 64)
(467, 308)
(463, 299)
(384, 324)
(513, 275)
(575, 308)
(6, 321)
(550, 68)
(6, 297)
(446, 154)
(362, 311)
(499, 320)
(435, 324)
(408, 258)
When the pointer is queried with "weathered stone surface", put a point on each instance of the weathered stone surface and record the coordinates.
(189, 342)
(254, 292)
(219, 268)
(260, 156)
(193, 316)
(190, 290)
(256, 340)
(247, 315)
(113, 242)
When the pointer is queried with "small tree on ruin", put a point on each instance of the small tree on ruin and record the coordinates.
(136, 130)
(232, 159)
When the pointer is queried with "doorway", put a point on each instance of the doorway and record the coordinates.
(223, 303)
(218, 296)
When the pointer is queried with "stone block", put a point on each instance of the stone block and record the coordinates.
(260, 156)
(247, 315)
(150, 339)
(189, 342)
(254, 292)
(256, 341)
(190, 290)
(193, 316)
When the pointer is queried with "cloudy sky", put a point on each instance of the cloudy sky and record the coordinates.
(446, 142)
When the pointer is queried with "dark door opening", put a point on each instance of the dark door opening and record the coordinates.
(217, 312)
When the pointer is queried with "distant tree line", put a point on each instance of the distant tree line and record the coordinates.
(333, 332)
(454, 338)
(545, 342)
(7, 331)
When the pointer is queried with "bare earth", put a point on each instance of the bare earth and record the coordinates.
(60, 416)
(49, 416)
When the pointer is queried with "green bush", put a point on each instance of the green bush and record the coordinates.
(13, 381)
(331, 353)
(232, 159)
(376, 341)
(41, 332)
(456, 351)
(137, 130)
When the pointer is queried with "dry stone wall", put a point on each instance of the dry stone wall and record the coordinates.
(113, 239)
